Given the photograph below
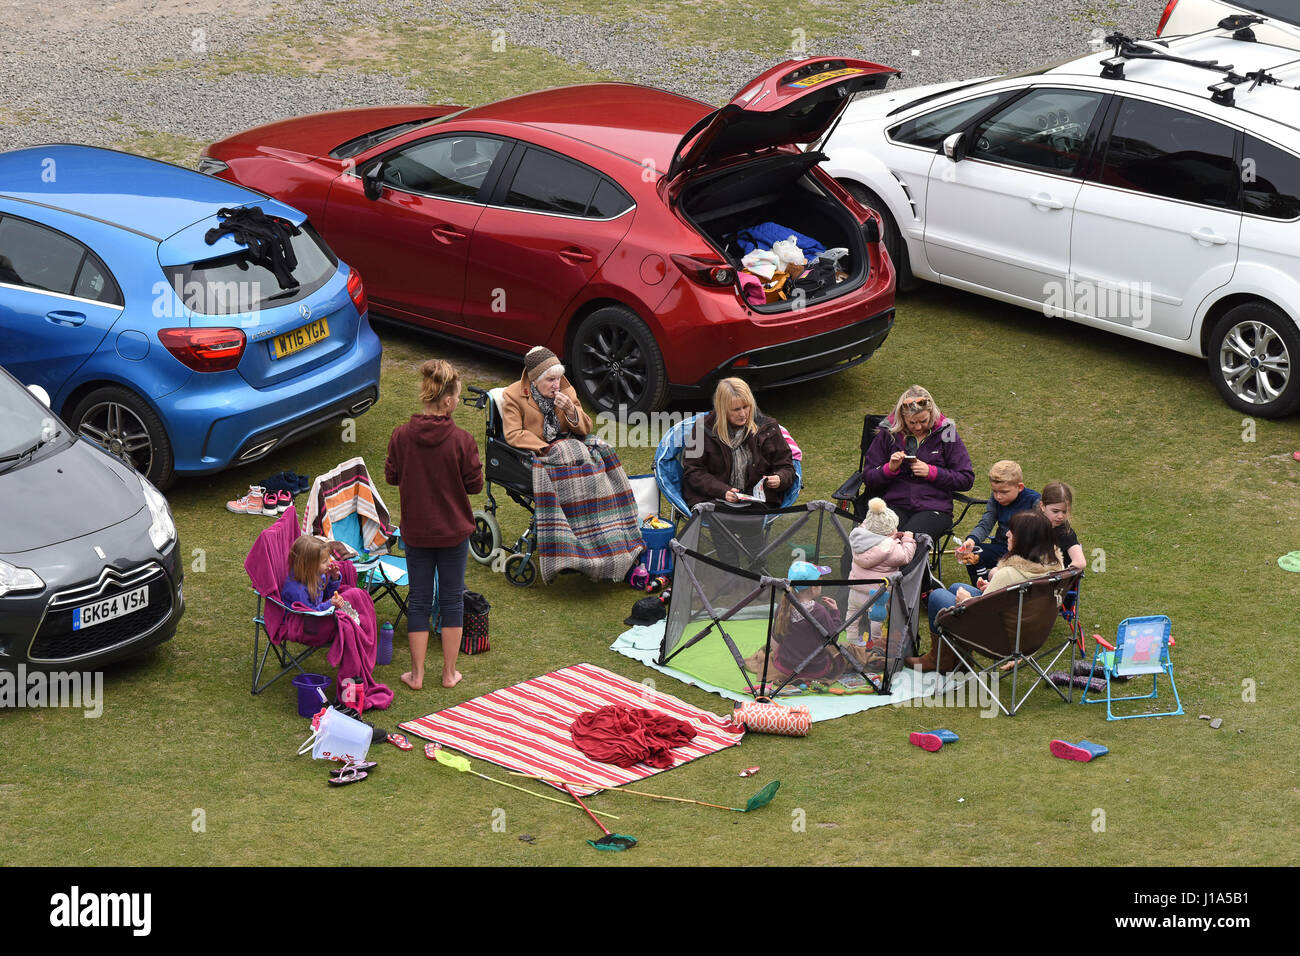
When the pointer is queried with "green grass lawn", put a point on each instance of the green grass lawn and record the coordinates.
(1190, 517)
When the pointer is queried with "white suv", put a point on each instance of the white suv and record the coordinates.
(1181, 17)
(1117, 190)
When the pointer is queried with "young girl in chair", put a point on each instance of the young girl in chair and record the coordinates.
(313, 578)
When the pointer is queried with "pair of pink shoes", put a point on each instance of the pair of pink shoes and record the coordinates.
(258, 501)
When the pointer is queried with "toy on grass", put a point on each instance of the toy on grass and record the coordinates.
(932, 740)
(435, 752)
(760, 799)
(1084, 750)
(615, 842)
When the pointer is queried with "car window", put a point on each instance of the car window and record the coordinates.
(551, 183)
(1270, 181)
(94, 282)
(1044, 130)
(1171, 153)
(609, 201)
(235, 284)
(931, 129)
(38, 257)
(451, 166)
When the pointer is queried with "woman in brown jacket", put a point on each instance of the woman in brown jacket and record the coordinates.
(542, 406)
(722, 463)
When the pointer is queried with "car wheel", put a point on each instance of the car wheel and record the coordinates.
(1252, 356)
(485, 538)
(122, 424)
(890, 235)
(616, 362)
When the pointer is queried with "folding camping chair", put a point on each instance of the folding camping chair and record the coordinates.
(344, 507)
(852, 496)
(1009, 625)
(276, 621)
(1141, 647)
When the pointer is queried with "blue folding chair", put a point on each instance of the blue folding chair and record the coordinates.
(1141, 647)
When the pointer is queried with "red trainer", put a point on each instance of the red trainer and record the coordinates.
(250, 504)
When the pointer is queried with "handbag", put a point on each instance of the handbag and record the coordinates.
(474, 637)
(762, 716)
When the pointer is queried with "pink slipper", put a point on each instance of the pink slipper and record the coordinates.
(400, 742)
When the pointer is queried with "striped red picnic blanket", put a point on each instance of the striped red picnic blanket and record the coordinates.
(527, 727)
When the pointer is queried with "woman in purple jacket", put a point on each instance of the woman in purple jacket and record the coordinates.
(917, 462)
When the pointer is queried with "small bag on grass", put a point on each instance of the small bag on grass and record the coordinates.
(762, 716)
(474, 639)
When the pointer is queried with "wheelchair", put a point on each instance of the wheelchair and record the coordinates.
(511, 469)
(852, 497)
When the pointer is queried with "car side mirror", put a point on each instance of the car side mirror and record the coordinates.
(954, 147)
(40, 393)
(372, 182)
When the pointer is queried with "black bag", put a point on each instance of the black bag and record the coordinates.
(474, 639)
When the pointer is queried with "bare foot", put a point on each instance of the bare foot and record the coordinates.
(411, 683)
(453, 681)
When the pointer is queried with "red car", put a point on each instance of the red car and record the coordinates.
(598, 220)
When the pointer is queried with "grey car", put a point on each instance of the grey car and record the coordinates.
(89, 557)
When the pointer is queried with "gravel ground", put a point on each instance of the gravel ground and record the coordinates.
(78, 75)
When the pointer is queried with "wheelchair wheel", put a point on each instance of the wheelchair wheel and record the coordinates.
(520, 570)
(486, 537)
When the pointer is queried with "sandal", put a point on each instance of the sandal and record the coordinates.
(400, 742)
(431, 750)
(346, 776)
(365, 766)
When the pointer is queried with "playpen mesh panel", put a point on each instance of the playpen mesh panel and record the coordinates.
(730, 601)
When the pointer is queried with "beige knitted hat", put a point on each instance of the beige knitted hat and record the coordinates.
(880, 517)
(538, 360)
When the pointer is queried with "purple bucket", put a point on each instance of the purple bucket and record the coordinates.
(309, 701)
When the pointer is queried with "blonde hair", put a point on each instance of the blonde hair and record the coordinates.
(1058, 493)
(916, 394)
(440, 380)
(727, 391)
(305, 561)
(1006, 472)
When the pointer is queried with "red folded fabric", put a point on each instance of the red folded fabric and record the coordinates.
(625, 736)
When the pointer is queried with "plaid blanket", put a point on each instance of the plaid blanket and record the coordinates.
(586, 513)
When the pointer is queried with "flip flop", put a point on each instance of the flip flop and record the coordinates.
(364, 767)
(347, 776)
(431, 750)
(400, 742)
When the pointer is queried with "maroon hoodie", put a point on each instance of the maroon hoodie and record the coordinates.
(435, 465)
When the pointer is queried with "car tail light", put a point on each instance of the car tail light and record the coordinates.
(706, 272)
(357, 290)
(205, 350)
(1164, 17)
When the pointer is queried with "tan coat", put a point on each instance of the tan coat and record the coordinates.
(1013, 569)
(523, 422)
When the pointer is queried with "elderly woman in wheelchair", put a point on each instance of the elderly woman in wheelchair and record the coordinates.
(542, 407)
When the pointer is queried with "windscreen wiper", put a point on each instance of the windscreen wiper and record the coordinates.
(12, 461)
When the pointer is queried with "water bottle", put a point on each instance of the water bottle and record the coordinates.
(384, 653)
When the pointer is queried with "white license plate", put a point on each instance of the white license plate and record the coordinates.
(88, 615)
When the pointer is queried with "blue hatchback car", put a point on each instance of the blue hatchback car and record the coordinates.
(184, 323)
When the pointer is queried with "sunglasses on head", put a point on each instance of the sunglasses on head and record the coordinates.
(918, 406)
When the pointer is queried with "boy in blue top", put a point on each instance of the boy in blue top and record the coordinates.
(1009, 496)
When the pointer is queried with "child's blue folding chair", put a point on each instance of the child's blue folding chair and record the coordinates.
(1141, 647)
